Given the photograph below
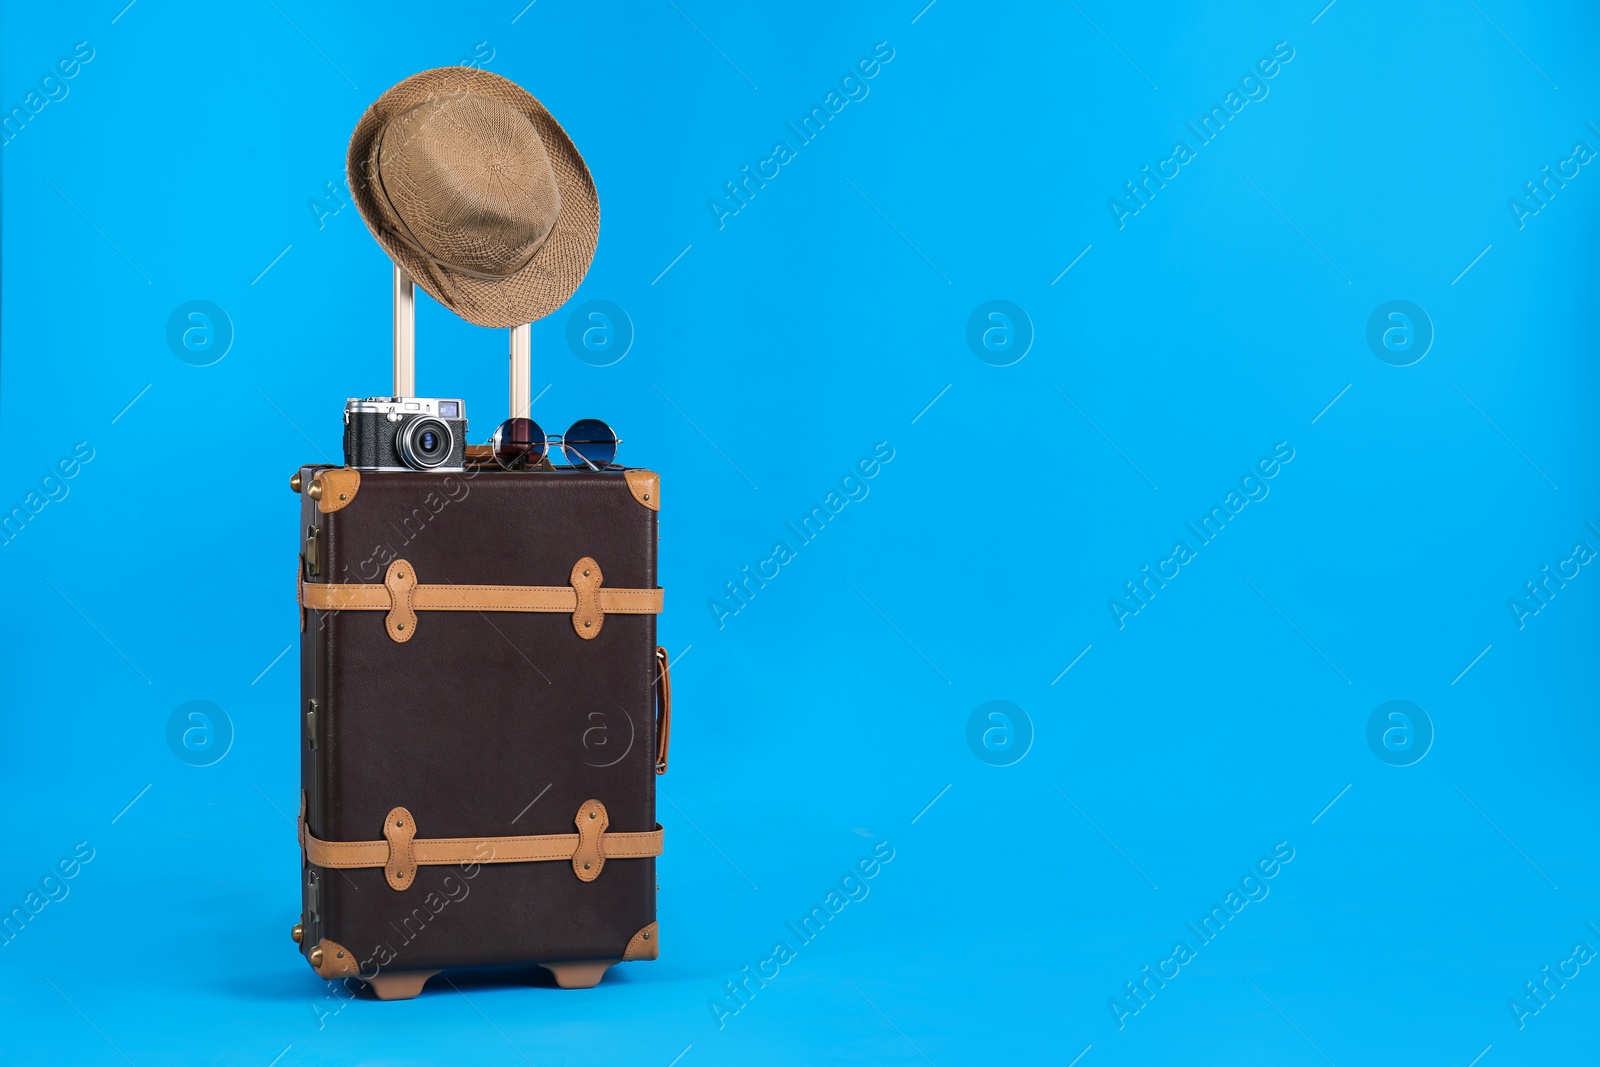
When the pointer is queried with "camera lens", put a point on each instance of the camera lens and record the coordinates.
(424, 443)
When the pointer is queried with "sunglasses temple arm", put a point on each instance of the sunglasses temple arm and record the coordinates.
(559, 440)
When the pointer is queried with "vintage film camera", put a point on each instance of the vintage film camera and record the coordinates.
(383, 433)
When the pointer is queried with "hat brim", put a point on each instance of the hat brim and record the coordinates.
(555, 271)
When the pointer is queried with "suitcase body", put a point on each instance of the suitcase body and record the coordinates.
(481, 689)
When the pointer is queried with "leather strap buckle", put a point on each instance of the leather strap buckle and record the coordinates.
(589, 859)
(401, 581)
(399, 829)
(587, 618)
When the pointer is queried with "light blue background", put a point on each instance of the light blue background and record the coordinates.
(775, 352)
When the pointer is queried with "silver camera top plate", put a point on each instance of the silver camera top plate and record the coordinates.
(397, 406)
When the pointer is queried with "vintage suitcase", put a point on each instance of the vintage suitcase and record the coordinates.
(484, 712)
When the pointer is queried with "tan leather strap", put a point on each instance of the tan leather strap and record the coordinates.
(663, 712)
(440, 851)
(401, 853)
(401, 596)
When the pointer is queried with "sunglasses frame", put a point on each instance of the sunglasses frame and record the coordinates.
(541, 453)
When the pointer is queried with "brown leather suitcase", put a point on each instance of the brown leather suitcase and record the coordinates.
(484, 710)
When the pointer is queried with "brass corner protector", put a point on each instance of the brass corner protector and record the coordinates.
(645, 487)
(334, 488)
(332, 960)
(644, 945)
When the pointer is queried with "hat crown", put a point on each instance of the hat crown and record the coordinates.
(471, 181)
(473, 189)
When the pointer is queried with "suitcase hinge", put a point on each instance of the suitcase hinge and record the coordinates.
(313, 556)
(311, 723)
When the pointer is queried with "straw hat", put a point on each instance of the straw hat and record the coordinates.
(477, 192)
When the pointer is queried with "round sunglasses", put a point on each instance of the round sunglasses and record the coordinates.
(520, 443)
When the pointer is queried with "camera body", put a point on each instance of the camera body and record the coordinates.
(399, 433)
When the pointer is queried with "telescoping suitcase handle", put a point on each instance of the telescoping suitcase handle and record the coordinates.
(405, 348)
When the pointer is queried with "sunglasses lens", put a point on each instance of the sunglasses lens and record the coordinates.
(518, 443)
(590, 442)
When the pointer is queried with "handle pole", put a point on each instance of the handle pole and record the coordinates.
(405, 333)
(521, 370)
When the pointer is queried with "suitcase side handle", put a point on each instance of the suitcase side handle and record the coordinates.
(405, 348)
(663, 711)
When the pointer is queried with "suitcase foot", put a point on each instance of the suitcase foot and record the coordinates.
(401, 986)
(578, 974)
